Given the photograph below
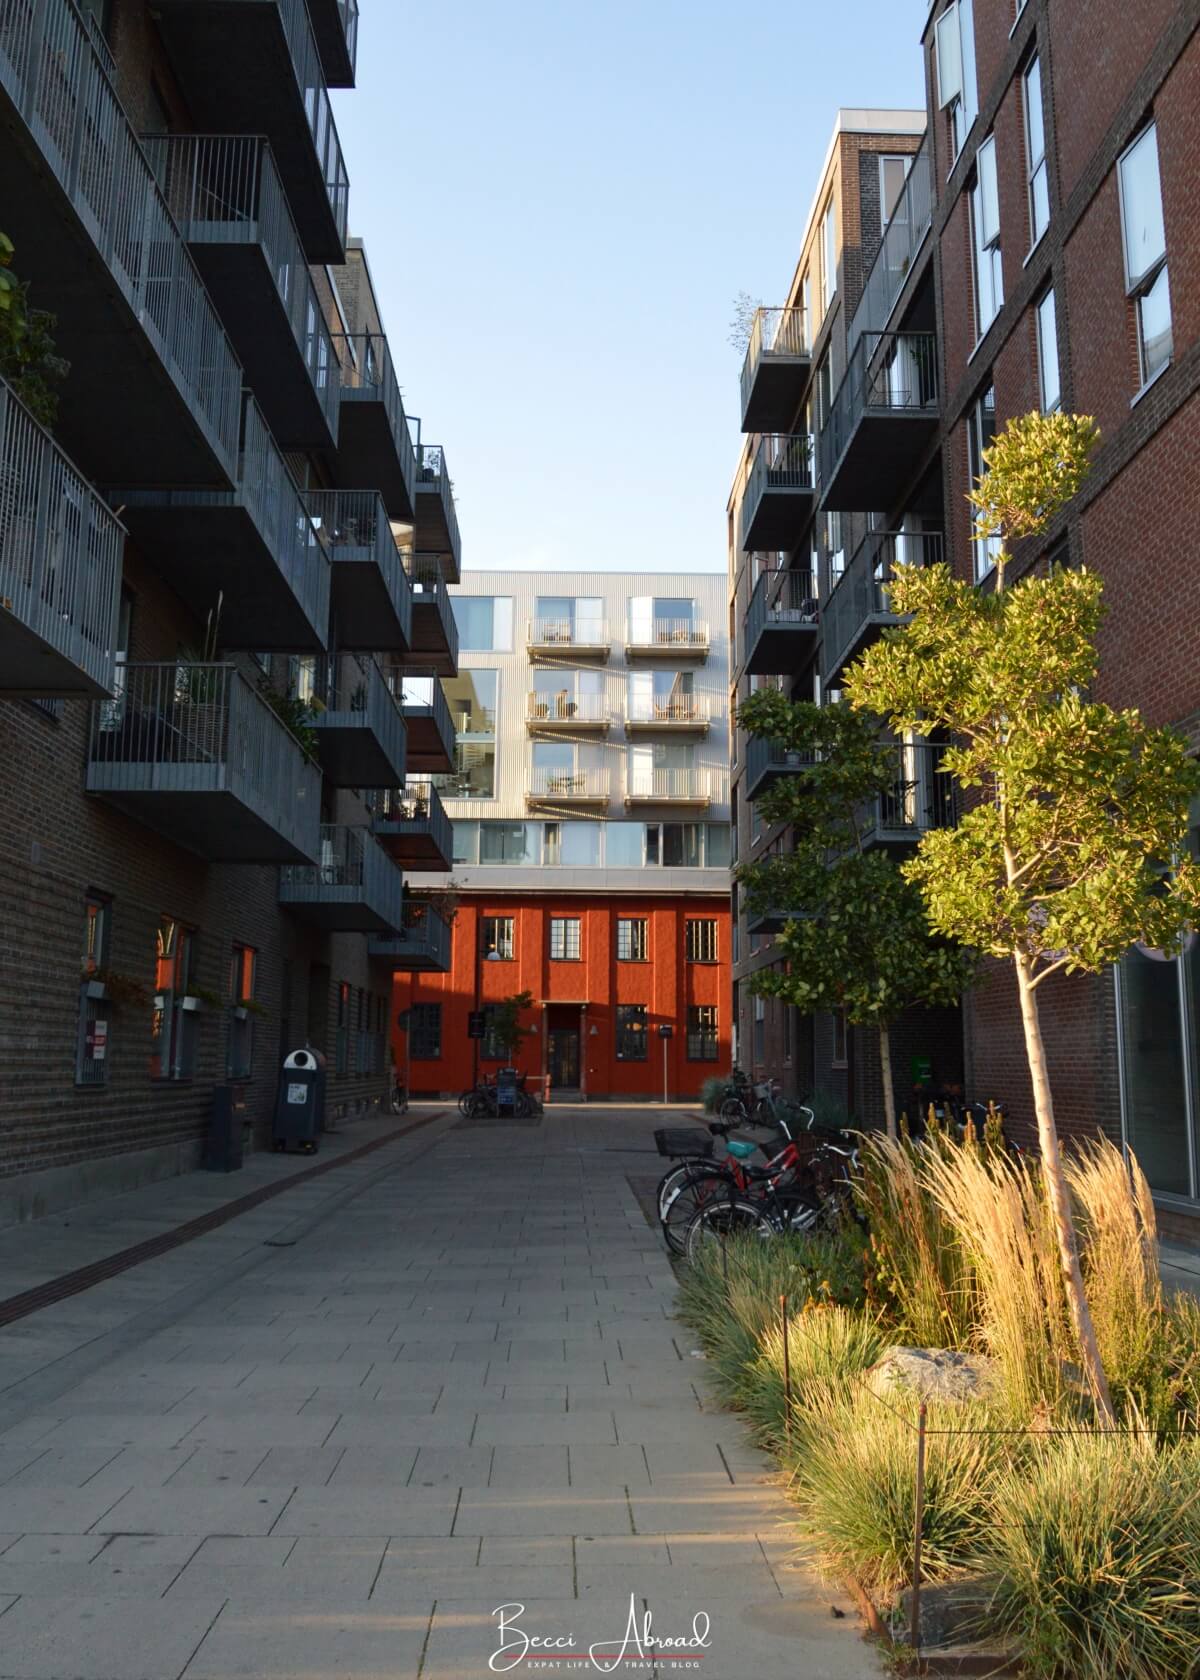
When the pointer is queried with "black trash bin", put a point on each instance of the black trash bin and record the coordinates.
(300, 1101)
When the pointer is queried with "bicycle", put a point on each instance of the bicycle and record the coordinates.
(699, 1178)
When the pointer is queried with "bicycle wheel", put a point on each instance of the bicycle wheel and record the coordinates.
(670, 1182)
(721, 1219)
(698, 1187)
(466, 1103)
(733, 1108)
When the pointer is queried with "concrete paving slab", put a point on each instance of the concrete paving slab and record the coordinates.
(99, 1639)
(284, 1643)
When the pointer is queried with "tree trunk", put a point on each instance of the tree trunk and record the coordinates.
(1056, 1190)
(885, 1067)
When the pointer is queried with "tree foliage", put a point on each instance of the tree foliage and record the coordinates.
(505, 1030)
(27, 355)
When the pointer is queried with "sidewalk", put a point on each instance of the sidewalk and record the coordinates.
(459, 1385)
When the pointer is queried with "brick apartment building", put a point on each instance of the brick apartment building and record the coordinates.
(1047, 242)
(223, 594)
(590, 812)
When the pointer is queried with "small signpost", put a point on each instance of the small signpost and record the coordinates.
(506, 1091)
(665, 1032)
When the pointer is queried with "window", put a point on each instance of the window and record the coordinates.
(981, 429)
(562, 695)
(1145, 242)
(466, 842)
(824, 391)
(658, 696)
(702, 1032)
(632, 942)
(425, 1032)
(760, 1031)
(718, 845)
(700, 939)
(471, 697)
(662, 620)
(97, 920)
(492, 1048)
(624, 845)
(828, 256)
(1049, 380)
(239, 1048)
(571, 845)
(341, 1059)
(573, 620)
(834, 547)
(808, 325)
(501, 842)
(985, 229)
(840, 1052)
(958, 91)
(632, 1032)
(173, 1021)
(91, 1050)
(564, 938)
(484, 622)
(1035, 153)
(496, 938)
(893, 172)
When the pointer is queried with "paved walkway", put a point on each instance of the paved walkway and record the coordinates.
(328, 1440)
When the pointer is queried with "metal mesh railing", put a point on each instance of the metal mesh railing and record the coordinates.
(861, 594)
(780, 598)
(306, 62)
(226, 189)
(429, 588)
(279, 511)
(886, 373)
(352, 866)
(775, 332)
(55, 73)
(922, 795)
(365, 369)
(431, 470)
(682, 783)
(765, 756)
(782, 461)
(355, 522)
(60, 547)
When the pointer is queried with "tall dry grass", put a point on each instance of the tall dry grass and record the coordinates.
(917, 1277)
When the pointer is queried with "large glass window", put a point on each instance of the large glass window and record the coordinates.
(632, 941)
(958, 87)
(702, 1041)
(828, 255)
(565, 938)
(561, 695)
(173, 1020)
(575, 620)
(718, 838)
(655, 619)
(632, 1032)
(1145, 242)
(655, 696)
(1049, 379)
(1035, 153)
(985, 228)
(1158, 1036)
(624, 845)
(472, 697)
(496, 938)
(239, 1050)
(893, 172)
(701, 939)
(425, 1032)
(501, 842)
(571, 845)
(466, 842)
(484, 622)
(981, 430)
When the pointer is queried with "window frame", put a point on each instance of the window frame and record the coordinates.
(1045, 359)
(631, 1033)
(1140, 287)
(1039, 166)
(503, 935)
(976, 470)
(560, 933)
(239, 1040)
(701, 939)
(640, 937)
(829, 287)
(703, 1035)
(905, 159)
(957, 94)
(424, 1026)
(985, 239)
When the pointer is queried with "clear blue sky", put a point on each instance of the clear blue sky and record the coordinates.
(560, 200)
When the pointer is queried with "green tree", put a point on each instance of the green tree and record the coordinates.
(857, 937)
(1073, 845)
(504, 1027)
(27, 356)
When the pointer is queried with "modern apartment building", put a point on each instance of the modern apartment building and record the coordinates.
(1040, 255)
(222, 559)
(839, 474)
(590, 807)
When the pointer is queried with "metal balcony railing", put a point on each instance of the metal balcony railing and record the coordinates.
(669, 635)
(353, 869)
(416, 809)
(361, 697)
(775, 332)
(567, 633)
(191, 728)
(780, 598)
(433, 476)
(681, 785)
(902, 239)
(590, 785)
(427, 714)
(781, 461)
(424, 941)
(430, 590)
(922, 795)
(269, 491)
(887, 373)
(354, 524)
(225, 189)
(60, 558)
(335, 25)
(669, 709)
(860, 596)
(566, 707)
(768, 759)
(310, 78)
(54, 71)
(365, 372)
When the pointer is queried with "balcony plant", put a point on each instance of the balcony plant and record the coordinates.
(296, 715)
(1075, 846)
(28, 360)
(121, 989)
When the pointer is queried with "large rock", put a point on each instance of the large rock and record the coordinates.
(933, 1374)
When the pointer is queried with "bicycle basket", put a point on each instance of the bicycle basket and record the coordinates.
(675, 1141)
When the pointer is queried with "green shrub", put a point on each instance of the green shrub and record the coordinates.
(827, 1347)
(1093, 1548)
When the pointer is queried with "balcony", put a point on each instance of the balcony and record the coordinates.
(335, 29)
(60, 567)
(668, 714)
(361, 738)
(423, 943)
(668, 638)
(567, 713)
(436, 526)
(857, 608)
(773, 921)
(775, 371)
(374, 446)
(411, 825)
(778, 498)
(226, 195)
(567, 639)
(434, 633)
(252, 67)
(154, 392)
(686, 788)
(371, 598)
(431, 735)
(783, 630)
(255, 546)
(355, 888)
(901, 244)
(767, 761)
(579, 790)
(922, 797)
(192, 751)
(883, 421)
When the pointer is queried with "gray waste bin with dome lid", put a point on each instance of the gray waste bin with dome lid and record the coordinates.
(300, 1101)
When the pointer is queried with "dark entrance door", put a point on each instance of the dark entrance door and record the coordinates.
(564, 1058)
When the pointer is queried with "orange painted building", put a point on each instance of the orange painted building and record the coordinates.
(605, 972)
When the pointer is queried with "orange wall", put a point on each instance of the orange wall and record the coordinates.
(666, 984)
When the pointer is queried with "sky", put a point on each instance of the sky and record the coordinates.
(561, 200)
